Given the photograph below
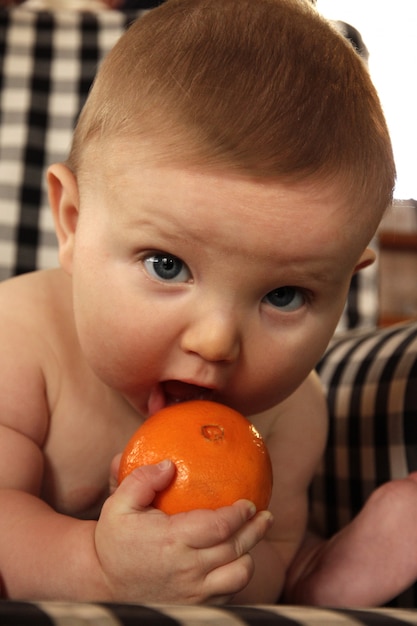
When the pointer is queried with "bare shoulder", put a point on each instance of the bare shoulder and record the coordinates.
(32, 315)
(295, 431)
(32, 292)
(305, 406)
(35, 307)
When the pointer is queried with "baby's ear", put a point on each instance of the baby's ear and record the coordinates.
(367, 257)
(64, 201)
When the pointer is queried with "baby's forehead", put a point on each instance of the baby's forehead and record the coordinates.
(123, 159)
(145, 152)
(135, 164)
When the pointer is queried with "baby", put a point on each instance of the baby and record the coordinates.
(227, 173)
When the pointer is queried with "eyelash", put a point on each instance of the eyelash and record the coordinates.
(170, 264)
(294, 293)
(167, 263)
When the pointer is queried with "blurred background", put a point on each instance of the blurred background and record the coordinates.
(389, 32)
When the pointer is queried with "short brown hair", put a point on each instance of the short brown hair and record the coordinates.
(264, 87)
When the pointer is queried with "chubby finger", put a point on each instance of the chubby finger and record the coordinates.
(226, 581)
(137, 491)
(239, 544)
(204, 528)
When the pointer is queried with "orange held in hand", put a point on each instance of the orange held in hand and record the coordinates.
(219, 457)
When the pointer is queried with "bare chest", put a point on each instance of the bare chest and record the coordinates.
(88, 427)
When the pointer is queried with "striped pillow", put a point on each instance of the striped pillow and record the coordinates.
(371, 384)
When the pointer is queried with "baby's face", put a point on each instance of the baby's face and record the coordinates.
(190, 284)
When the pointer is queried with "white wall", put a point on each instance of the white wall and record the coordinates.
(389, 30)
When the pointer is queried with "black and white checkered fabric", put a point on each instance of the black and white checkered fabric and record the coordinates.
(47, 63)
(371, 383)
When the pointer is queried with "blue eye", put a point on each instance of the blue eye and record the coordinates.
(167, 267)
(286, 298)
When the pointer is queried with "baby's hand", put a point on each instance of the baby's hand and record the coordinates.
(195, 557)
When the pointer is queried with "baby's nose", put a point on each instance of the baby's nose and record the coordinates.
(214, 337)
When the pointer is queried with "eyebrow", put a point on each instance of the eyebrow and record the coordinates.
(306, 270)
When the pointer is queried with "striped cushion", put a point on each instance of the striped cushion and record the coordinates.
(371, 383)
(89, 614)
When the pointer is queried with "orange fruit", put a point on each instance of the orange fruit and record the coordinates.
(219, 456)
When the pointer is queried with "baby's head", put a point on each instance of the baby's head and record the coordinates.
(231, 165)
(263, 88)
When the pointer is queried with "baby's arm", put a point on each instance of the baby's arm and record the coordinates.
(296, 442)
(367, 563)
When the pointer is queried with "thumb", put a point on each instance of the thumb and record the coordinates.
(137, 491)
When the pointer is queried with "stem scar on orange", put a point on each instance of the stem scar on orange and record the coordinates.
(219, 456)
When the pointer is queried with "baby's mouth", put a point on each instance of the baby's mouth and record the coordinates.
(177, 391)
(174, 391)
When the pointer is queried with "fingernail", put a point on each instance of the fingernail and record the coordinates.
(164, 465)
(267, 515)
(251, 509)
